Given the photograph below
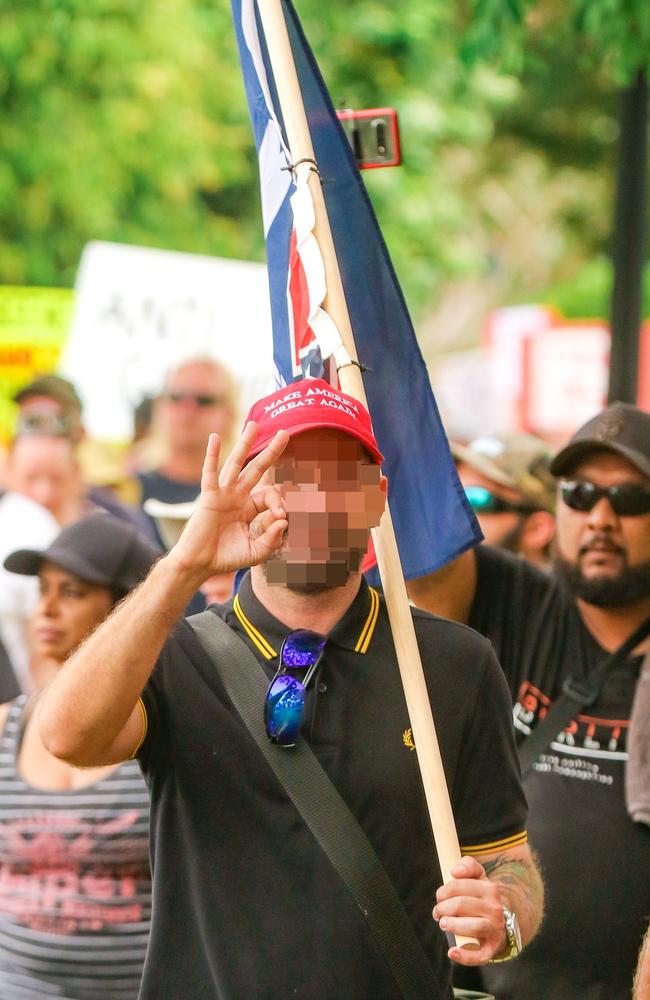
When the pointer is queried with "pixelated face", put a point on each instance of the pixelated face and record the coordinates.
(333, 494)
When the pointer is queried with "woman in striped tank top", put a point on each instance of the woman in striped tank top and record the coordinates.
(75, 893)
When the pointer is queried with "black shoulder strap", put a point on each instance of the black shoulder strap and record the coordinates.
(577, 693)
(325, 813)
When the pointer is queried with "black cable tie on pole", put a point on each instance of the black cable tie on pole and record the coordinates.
(304, 159)
(360, 366)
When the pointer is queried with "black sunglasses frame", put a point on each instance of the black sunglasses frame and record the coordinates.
(202, 399)
(625, 499)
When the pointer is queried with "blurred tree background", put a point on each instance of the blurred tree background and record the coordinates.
(125, 120)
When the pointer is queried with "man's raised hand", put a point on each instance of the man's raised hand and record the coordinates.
(217, 537)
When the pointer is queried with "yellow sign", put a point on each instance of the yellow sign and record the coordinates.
(34, 325)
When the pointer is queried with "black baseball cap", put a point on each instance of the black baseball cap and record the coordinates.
(98, 548)
(621, 428)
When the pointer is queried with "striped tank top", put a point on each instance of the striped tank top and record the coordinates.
(75, 888)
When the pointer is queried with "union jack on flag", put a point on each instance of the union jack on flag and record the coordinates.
(432, 518)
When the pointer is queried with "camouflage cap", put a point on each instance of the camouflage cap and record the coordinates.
(53, 387)
(40, 420)
(519, 461)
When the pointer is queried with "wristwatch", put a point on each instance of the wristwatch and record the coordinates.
(513, 938)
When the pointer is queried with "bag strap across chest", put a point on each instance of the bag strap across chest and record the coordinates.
(577, 693)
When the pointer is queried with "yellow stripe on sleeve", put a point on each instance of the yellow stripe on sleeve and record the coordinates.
(145, 726)
(496, 845)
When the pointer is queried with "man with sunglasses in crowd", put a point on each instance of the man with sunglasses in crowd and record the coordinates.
(197, 398)
(246, 903)
(511, 490)
(584, 774)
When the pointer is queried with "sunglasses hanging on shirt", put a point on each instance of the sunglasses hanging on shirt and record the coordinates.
(284, 705)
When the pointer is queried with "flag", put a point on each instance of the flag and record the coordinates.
(432, 517)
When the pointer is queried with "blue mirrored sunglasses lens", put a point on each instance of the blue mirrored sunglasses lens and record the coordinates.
(480, 499)
(284, 708)
(302, 648)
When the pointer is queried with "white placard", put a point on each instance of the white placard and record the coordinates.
(465, 389)
(139, 312)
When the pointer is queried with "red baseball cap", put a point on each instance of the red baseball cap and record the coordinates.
(306, 406)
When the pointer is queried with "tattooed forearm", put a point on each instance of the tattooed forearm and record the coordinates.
(521, 889)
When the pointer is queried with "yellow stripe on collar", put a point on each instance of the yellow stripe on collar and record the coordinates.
(369, 627)
(258, 640)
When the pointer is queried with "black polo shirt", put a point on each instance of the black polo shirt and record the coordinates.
(245, 903)
(596, 861)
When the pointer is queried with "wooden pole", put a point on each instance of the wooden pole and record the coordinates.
(392, 578)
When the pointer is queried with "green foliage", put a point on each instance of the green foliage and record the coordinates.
(126, 120)
(613, 35)
(119, 121)
(587, 294)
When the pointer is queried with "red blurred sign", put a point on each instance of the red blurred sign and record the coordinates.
(565, 376)
(505, 333)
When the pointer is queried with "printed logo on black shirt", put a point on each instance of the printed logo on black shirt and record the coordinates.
(585, 739)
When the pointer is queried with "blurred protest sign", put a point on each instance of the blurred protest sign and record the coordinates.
(536, 371)
(462, 376)
(139, 312)
(505, 334)
(490, 376)
(565, 376)
(34, 324)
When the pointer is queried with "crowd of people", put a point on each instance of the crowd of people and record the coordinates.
(122, 736)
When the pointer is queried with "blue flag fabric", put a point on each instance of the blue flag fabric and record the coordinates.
(433, 520)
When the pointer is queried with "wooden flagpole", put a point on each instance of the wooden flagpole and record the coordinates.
(392, 578)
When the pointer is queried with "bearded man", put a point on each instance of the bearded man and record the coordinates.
(587, 786)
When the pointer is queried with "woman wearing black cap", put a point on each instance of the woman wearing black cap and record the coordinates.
(74, 871)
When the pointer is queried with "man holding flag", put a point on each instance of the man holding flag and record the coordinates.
(246, 901)
(292, 847)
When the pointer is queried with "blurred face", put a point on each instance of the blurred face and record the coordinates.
(218, 589)
(47, 416)
(41, 406)
(44, 469)
(604, 556)
(67, 611)
(503, 529)
(333, 495)
(194, 404)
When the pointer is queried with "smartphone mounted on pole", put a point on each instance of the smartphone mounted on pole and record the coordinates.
(373, 134)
